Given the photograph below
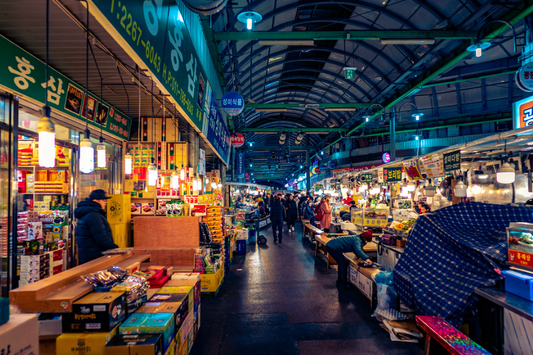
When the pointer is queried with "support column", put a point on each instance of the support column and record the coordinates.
(393, 134)
(307, 173)
(233, 161)
(194, 146)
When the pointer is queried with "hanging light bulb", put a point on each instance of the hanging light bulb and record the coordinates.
(213, 184)
(47, 140)
(506, 174)
(175, 180)
(152, 174)
(182, 173)
(430, 190)
(194, 183)
(101, 154)
(86, 154)
(128, 164)
(460, 189)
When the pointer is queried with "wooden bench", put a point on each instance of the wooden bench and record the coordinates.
(320, 247)
(312, 230)
(442, 338)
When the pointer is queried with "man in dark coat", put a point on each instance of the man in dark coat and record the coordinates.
(277, 215)
(292, 212)
(93, 234)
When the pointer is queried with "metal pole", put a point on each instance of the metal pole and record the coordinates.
(307, 174)
(233, 161)
(393, 134)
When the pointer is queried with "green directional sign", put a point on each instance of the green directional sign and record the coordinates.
(24, 74)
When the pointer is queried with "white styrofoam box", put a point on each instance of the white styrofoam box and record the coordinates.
(20, 335)
(30, 268)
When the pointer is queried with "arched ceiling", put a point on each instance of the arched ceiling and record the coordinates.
(290, 79)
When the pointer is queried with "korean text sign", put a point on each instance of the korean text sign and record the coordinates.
(452, 161)
(23, 73)
(154, 34)
(523, 113)
(392, 174)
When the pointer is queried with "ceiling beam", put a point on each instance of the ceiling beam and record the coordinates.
(446, 63)
(300, 129)
(267, 149)
(342, 35)
(311, 106)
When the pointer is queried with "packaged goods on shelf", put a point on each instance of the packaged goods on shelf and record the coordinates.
(179, 310)
(98, 311)
(150, 323)
(138, 344)
(76, 343)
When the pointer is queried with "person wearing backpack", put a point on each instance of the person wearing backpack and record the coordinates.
(325, 208)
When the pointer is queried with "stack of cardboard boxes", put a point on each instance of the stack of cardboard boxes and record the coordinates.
(119, 218)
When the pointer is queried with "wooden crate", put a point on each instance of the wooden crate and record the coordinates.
(163, 232)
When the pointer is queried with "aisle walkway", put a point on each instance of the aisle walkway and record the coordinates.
(279, 300)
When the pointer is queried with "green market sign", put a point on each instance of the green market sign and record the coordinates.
(452, 161)
(392, 175)
(366, 177)
(24, 74)
(154, 34)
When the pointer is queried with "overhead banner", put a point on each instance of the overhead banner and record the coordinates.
(201, 162)
(240, 164)
(154, 34)
(433, 165)
(25, 74)
(217, 132)
(523, 113)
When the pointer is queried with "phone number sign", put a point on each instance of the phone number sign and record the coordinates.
(154, 34)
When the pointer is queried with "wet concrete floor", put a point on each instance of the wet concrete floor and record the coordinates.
(280, 299)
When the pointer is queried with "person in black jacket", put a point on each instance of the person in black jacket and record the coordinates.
(93, 234)
(292, 212)
(277, 215)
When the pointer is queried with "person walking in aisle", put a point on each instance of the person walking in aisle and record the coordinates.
(292, 212)
(350, 244)
(277, 215)
(309, 211)
(93, 234)
(326, 208)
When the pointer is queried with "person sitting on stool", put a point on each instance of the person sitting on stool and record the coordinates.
(353, 243)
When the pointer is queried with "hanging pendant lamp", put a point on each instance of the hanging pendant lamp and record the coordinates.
(45, 127)
(128, 164)
(86, 147)
(101, 154)
(152, 174)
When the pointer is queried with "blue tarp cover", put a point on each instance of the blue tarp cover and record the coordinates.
(452, 251)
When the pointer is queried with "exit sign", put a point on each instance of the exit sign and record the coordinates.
(349, 73)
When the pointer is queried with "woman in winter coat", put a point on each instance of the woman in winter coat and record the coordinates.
(292, 212)
(326, 208)
(309, 212)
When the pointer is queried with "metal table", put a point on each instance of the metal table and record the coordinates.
(506, 300)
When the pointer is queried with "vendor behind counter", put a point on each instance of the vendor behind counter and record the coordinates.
(336, 247)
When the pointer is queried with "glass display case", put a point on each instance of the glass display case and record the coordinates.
(520, 246)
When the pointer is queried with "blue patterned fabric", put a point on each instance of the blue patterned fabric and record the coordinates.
(451, 252)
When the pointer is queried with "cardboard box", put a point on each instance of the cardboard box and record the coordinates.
(188, 276)
(83, 343)
(135, 344)
(211, 282)
(179, 310)
(11, 341)
(119, 209)
(186, 290)
(171, 297)
(96, 312)
(121, 234)
(194, 283)
(150, 323)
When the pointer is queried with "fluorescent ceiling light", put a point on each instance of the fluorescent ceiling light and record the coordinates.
(340, 109)
(287, 43)
(271, 109)
(407, 41)
(273, 59)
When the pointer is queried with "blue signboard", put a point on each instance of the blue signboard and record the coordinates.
(217, 132)
(240, 164)
(232, 103)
